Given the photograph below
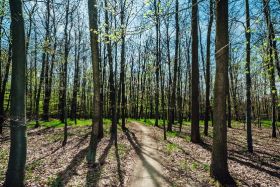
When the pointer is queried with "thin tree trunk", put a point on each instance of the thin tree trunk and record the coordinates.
(156, 7)
(248, 79)
(208, 68)
(270, 66)
(64, 77)
(111, 78)
(122, 73)
(195, 134)
(3, 88)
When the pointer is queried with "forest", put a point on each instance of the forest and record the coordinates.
(139, 93)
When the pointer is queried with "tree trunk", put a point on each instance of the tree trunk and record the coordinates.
(65, 76)
(208, 70)
(219, 165)
(156, 7)
(17, 158)
(74, 101)
(248, 79)
(270, 65)
(195, 135)
(3, 88)
(44, 65)
(111, 78)
(122, 73)
(93, 26)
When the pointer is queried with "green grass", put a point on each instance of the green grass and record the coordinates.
(206, 167)
(55, 123)
(171, 147)
(122, 149)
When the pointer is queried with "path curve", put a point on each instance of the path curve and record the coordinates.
(148, 171)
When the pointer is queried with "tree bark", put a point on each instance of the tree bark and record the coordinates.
(219, 165)
(248, 79)
(195, 134)
(17, 158)
(122, 73)
(270, 65)
(208, 66)
(93, 26)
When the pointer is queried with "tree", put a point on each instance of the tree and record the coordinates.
(49, 70)
(270, 66)
(17, 158)
(175, 75)
(122, 73)
(74, 102)
(157, 8)
(44, 64)
(219, 165)
(195, 135)
(208, 52)
(64, 75)
(111, 76)
(248, 79)
(93, 26)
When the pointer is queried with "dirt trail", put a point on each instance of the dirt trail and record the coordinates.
(148, 171)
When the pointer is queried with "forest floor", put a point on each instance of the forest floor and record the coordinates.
(142, 157)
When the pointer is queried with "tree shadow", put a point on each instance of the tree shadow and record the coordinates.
(65, 176)
(243, 159)
(44, 130)
(59, 147)
(94, 172)
(120, 172)
(151, 170)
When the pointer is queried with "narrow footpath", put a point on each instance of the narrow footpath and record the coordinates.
(148, 171)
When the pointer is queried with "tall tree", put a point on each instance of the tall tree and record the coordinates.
(208, 66)
(195, 135)
(122, 73)
(248, 79)
(175, 76)
(219, 165)
(49, 70)
(111, 75)
(74, 102)
(2, 92)
(64, 72)
(157, 7)
(93, 27)
(44, 63)
(17, 158)
(270, 65)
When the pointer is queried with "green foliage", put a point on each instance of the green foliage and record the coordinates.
(206, 167)
(171, 134)
(55, 182)
(171, 147)
(55, 123)
(194, 165)
(188, 139)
